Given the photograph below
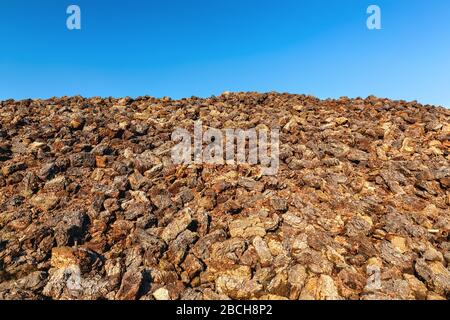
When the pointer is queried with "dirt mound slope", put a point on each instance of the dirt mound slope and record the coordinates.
(92, 205)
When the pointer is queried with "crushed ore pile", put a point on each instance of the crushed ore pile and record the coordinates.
(92, 207)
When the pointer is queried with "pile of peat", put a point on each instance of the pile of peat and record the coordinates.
(92, 206)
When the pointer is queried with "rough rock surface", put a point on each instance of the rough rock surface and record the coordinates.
(91, 206)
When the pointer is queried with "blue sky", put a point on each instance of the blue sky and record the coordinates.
(180, 48)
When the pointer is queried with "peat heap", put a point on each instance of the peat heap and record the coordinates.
(92, 206)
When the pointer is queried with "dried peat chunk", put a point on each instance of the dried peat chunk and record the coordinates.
(178, 248)
(251, 185)
(431, 254)
(84, 259)
(279, 204)
(314, 260)
(57, 184)
(67, 284)
(63, 283)
(63, 257)
(435, 275)
(320, 288)
(192, 265)
(434, 296)
(137, 180)
(395, 257)
(146, 161)
(252, 226)
(201, 249)
(341, 120)
(418, 288)
(447, 258)
(44, 202)
(294, 221)
(83, 159)
(226, 254)
(114, 270)
(48, 171)
(178, 225)
(76, 123)
(5, 152)
(279, 285)
(68, 275)
(399, 243)
(161, 294)
(101, 161)
(237, 284)
(101, 150)
(403, 225)
(246, 228)
(30, 184)
(35, 281)
(311, 180)
(296, 164)
(358, 155)
(147, 240)
(70, 230)
(395, 288)
(233, 207)
(358, 226)
(265, 257)
(111, 205)
(185, 195)
(160, 198)
(137, 209)
(297, 276)
(10, 169)
(131, 285)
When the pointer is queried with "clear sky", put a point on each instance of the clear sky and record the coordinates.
(180, 48)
